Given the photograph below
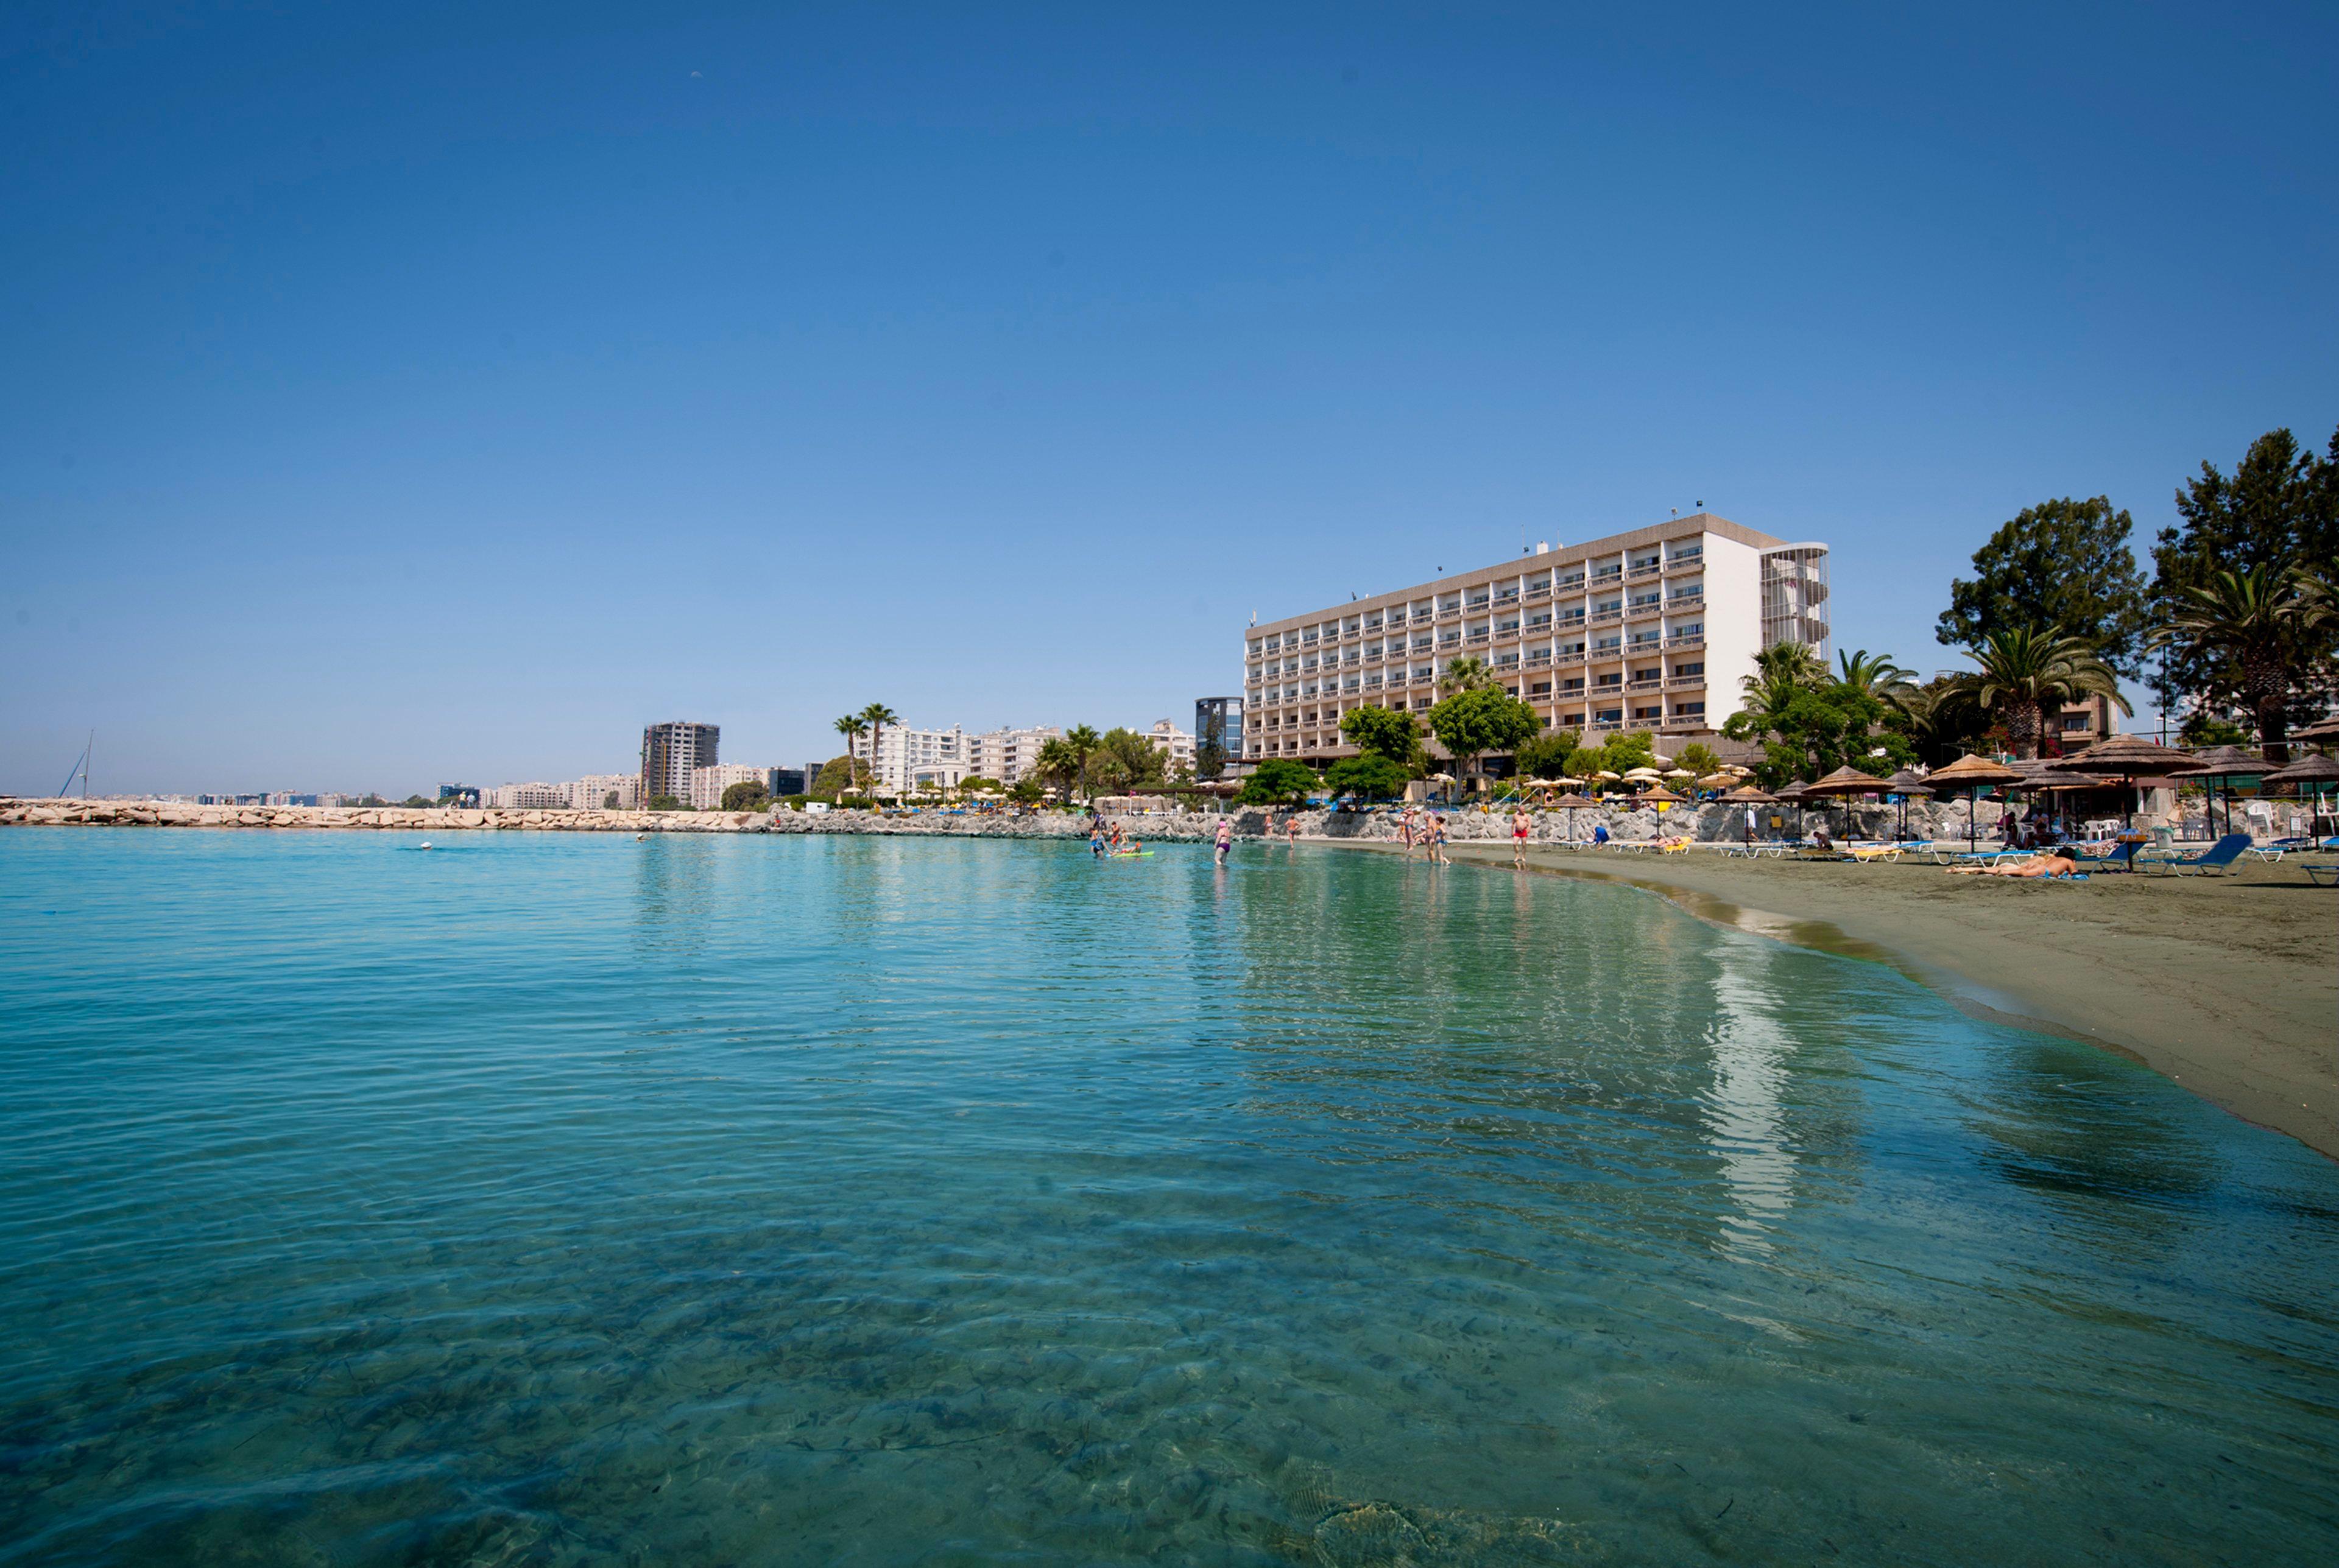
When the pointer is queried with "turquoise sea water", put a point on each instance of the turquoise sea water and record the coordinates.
(552, 1199)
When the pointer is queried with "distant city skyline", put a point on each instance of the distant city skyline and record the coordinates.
(488, 386)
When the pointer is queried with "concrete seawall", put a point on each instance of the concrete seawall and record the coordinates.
(1706, 824)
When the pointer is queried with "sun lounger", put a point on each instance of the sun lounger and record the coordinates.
(2321, 873)
(2219, 857)
(1867, 854)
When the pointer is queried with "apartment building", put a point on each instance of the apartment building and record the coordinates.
(1218, 721)
(1007, 754)
(672, 752)
(1649, 630)
(707, 784)
(1176, 747)
(593, 791)
(526, 797)
(906, 758)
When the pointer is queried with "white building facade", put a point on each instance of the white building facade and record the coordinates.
(906, 758)
(1649, 630)
(589, 793)
(526, 797)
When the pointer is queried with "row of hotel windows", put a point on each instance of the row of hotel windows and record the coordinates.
(1533, 585)
(1506, 664)
(1325, 728)
(1690, 634)
(1529, 622)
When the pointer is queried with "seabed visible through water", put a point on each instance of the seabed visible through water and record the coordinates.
(758, 1200)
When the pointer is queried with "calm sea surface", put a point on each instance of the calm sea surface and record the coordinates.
(552, 1199)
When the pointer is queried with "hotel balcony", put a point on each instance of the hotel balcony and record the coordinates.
(1647, 684)
(1446, 613)
(1423, 680)
(1564, 584)
(1508, 634)
(1608, 575)
(1539, 657)
(1603, 618)
(1373, 681)
(1686, 640)
(1685, 559)
(1540, 591)
(1644, 569)
(1476, 639)
(1686, 597)
(1684, 683)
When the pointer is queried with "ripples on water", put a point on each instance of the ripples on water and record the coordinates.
(572, 1201)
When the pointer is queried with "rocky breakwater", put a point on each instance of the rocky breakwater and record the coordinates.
(1711, 823)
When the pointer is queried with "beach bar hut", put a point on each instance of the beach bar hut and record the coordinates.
(1972, 775)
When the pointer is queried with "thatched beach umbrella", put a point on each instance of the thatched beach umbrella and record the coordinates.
(1846, 781)
(2312, 769)
(2128, 758)
(2321, 730)
(1571, 800)
(2224, 764)
(1974, 775)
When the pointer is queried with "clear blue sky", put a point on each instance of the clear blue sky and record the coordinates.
(405, 393)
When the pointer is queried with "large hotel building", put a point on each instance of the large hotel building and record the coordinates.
(1648, 630)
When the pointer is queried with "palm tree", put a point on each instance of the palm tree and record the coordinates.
(1878, 676)
(852, 728)
(1782, 672)
(1057, 761)
(1466, 674)
(2262, 627)
(877, 715)
(1083, 742)
(2025, 674)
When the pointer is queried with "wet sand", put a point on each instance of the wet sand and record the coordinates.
(2230, 987)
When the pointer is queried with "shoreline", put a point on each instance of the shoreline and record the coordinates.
(2229, 989)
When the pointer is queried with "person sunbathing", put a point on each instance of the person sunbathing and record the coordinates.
(2051, 864)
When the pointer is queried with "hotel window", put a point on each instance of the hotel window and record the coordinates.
(1648, 713)
(1689, 710)
(1690, 667)
(1540, 688)
(1609, 717)
(1612, 678)
(1572, 684)
(1571, 719)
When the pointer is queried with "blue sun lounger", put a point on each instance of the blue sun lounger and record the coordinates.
(2219, 857)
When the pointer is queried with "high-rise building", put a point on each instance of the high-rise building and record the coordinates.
(787, 781)
(671, 751)
(1218, 722)
(1649, 630)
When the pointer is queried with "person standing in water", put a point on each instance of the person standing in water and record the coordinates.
(1438, 838)
(1520, 825)
(1226, 840)
(1404, 830)
(1291, 828)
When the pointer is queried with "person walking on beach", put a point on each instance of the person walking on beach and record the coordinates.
(1520, 825)
(1404, 830)
(1226, 840)
(1750, 827)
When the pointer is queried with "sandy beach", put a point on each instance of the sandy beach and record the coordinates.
(2228, 986)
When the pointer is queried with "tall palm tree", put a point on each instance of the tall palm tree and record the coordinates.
(1782, 672)
(2263, 626)
(2025, 674)
(1082, 741)
(852, 728)
(877, 715)
(1878, 676)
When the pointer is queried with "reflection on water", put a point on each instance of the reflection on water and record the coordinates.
(707, 1201)
(1744, 1108)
